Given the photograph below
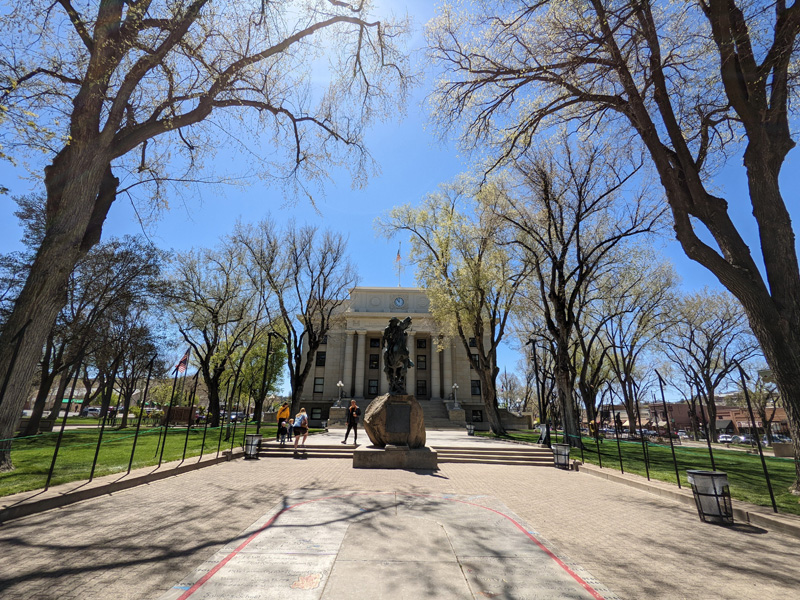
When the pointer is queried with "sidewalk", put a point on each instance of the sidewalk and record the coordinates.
(623, 542)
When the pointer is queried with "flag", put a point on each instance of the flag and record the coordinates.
(181, 366)
(398, 259)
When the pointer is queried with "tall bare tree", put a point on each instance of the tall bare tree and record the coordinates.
(210, 301)
(708, 338)
(461, 251)
(639, 313)
(693, 83)
(309, 275)
(119, 87)
(568, 216)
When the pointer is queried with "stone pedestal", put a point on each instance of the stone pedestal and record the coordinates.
(396, 420)
(394, 457)
(457, 415)
(337, 417)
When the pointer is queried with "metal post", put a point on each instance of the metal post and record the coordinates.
(641, 435)
(17, 336)
(263, 391)
(758, 438)
(203, 443)
(246, 413)
(616, 429)
(64, 421)
(228, 411)
(142, 404)
(705, 428)
(189, 420)
(238, 401)
(169, 412)
(103, 424)
(597, 432)
(669, 428)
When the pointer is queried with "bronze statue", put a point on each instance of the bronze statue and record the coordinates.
(395, 354)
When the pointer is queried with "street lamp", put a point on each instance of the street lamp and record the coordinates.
(340, 385)
(455, 397)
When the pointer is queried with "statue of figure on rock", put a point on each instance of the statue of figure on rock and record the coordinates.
(396, 361)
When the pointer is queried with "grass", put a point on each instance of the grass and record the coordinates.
(745, 473)
(32, 456)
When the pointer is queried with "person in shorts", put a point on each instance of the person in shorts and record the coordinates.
(300, 427)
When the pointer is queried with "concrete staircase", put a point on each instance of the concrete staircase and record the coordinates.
(515, 454)
(273, 449)
(436, 416)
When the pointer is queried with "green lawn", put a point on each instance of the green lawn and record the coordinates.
(32, 456)
(745, 473)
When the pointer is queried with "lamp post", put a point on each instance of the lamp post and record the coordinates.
(340, 385)
(455, 397)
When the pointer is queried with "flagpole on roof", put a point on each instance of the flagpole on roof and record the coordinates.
(399, 263)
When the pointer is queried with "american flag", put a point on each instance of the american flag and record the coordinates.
(181, 366)
(398, 259)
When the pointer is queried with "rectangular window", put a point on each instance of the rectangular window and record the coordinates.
(319, 383)
(374, 343)
(316, 413)
(321, 359)
(475, 387)
(373, 361)
(473, 343)
(324, 339)
(422, 362)
(422, 388)
(474, 358)
(421, 344)
(372, 387)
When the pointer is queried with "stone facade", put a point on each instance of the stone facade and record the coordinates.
(352, 354)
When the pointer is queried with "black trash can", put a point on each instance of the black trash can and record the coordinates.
(561, 456)
(252, 442)
(712, 495)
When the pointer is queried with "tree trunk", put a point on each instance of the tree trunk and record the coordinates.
(80, 189)
(566, 394)
(45, 385)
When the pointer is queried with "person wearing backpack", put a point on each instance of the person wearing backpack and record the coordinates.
(300, 427)
(353, 412)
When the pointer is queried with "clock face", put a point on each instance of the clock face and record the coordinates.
(398, 302)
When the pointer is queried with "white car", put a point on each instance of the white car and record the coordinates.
(725, 438)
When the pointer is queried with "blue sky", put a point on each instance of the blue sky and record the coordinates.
(412, 164)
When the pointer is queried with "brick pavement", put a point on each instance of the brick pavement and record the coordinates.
(138, 543)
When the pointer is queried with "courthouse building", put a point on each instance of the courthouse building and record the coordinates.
(352, 354)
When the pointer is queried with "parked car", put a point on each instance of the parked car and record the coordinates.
(725, 438)
(742, 438)
(91, 411)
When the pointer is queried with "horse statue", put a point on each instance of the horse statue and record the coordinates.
(396, 360)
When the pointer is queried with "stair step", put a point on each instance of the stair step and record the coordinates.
(495, 461)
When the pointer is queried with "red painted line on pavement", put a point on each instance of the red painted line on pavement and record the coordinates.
(200, 582)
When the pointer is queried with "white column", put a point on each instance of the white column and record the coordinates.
(411, 374)
(360, 346)
(347, 367)
(435, 371)
(447, 371)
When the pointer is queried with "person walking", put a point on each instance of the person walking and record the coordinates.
(300, 427)
(353, 412)
(283, 417)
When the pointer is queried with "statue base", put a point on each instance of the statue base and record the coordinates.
(395, 419)
(395, 457)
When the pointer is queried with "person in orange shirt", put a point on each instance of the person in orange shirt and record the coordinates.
(283, 418)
